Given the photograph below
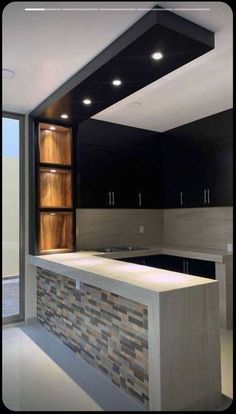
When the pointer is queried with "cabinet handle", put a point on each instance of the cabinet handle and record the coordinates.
(184, 266)
(113, 198)
(208, 196)
(139, 199)
(109, 200)
(181, 198)
(205, 197)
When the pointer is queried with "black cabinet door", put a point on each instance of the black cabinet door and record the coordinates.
(124, 178)
(117, 178)
(221, 191)
(149, 182)
(201, 268)
(142, 260)
(176, 165)
(210, 174)
(198, 175)
(170, 176)
(167, 262)
(94, 167)
(193, 267)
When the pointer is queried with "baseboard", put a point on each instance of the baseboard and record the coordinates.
(10, 277)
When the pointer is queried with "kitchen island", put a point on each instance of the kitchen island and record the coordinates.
(152, 332)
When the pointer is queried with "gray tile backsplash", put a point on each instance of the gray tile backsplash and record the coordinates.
(198, 227)
(105, 227)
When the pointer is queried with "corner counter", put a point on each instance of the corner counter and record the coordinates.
(153, 333)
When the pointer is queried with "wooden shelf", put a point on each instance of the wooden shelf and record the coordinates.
(55, 188)
(56, 231)
(55, 146)
(51, 251)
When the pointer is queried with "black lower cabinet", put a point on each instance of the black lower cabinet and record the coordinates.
(162, 261)
(142, 260)
(193, 267)
(201, 268)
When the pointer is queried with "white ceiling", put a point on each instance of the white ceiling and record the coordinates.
(202, 87)
(47, 48)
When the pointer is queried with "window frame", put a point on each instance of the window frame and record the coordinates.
(21, 315)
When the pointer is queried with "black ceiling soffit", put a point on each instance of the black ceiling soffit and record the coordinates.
(129, 59)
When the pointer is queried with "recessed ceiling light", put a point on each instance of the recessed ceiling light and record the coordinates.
(64, 116)
(87, 101)
(7, 73)
(116, 82)
(134, 104)
(157, 55)
(53, 171)
(52, 128)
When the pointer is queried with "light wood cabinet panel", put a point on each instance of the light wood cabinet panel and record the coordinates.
(55, 188)
(55, 146)
(56, 232)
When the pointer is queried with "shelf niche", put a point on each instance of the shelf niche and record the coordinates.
(56, 232)
(55, 146)
(55, 188)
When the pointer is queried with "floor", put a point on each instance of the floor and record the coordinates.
(10, 296)
(33, 378)
(33, 382)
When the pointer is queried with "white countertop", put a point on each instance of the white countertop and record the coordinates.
(214, 255)
(100, 270)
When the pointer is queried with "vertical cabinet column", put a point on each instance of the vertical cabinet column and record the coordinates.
(54, 205)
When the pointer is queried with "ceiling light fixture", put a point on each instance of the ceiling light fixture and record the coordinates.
(53, 171)
(134, 105)
(157, 55)
(7, 73)
(52, 128)
(87, 101)
(116, 82)
(64, 116)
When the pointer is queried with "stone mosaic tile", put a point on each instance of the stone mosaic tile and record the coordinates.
(108, 331)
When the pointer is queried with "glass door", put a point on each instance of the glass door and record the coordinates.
(12, 217)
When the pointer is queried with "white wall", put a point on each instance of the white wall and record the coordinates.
(10, 216)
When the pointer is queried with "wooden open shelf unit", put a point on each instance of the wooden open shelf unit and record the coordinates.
(55, 146)
(55, 206)
(55, 188)
(56, 231)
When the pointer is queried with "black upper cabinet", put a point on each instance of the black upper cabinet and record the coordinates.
(199, 175)
(209, 177)
(198, 163)
(119, 167)
(148, 180)
(176, 167)
(222, 173)
(94, 174)
(116, 178)
(124, 167)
